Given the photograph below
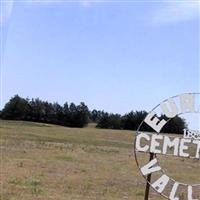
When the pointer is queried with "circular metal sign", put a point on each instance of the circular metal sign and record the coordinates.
(185, 148)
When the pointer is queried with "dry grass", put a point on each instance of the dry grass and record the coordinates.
(43, 162)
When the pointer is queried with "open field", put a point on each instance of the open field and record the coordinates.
(43, 162)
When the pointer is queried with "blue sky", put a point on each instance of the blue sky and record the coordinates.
(116, 56)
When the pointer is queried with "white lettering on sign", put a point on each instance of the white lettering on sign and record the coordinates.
(161, 183)
(197, 142)
(187, 102)
(154, 122)
(191, 134)
(138, 142)
(190, 193)
(183, 147)
(171, 144)
(155, 144)
(160, 144)
(172, 112)
(186, 147)
(172, 195)
(150, 167)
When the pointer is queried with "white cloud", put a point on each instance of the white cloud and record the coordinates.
(85, 3)
(175, 12)
(6, 7)
(6, 11)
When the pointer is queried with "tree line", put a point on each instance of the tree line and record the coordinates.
(36, 110)
(72, 115)
(132, 120)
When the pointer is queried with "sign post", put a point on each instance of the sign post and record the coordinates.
(146, 197)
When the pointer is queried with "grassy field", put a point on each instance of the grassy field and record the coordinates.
(43, 162)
